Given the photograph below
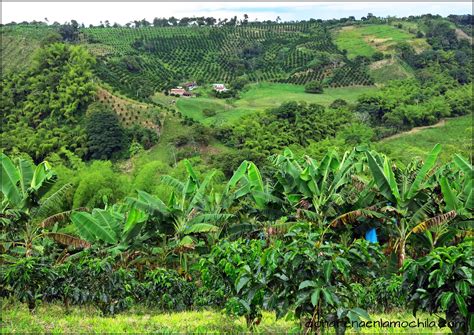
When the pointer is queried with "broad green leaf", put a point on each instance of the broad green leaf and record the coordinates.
(327, 268)
(25, 169)
(328, 296)
(391, 179)
(445, 299)
(425, 169)
(245, 304)
(254, 177)
(380, 179)
(238, 174)
(315, 297)
(361, 312)
(306, 283)
(42, 173)
(109, 223)
(186, 241)
(168, 180)
(85, 224)
(241, 283)
(464, 165)
(9, 179)
(461, 304)
(191, 172)
(136, 219)
(134, 216)
(200, 228)
(149, 203)
(448, 194)
(90, 228)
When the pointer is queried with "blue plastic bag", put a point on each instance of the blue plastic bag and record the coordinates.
(371, 235)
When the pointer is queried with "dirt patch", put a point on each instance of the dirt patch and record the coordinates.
(381, 44)
(381, 63)
(209, 150)
(346, 28)
(416, 130)
(461, 35)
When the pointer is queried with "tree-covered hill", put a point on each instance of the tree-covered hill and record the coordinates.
(147, 59)
(265, 65)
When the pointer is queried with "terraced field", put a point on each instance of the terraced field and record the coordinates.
(365, 40)
(129, 111)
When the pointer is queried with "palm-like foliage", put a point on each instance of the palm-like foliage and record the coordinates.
(409, 196)
(317, 190)
(25, 210)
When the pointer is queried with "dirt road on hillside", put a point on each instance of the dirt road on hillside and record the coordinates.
(416, 130)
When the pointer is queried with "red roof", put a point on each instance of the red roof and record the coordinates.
(179, 91)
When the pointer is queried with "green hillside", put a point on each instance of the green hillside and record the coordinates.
(148, 59)
(455, 135)
(18, 44)
(258, 97)
(365, 40)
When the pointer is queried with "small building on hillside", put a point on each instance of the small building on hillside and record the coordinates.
(219, 87)
(180, 91)
(190, 86)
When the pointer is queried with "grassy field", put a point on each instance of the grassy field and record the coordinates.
(455, 136)
(365, 40)
(259, 97)
(390, 69)
(55, 319)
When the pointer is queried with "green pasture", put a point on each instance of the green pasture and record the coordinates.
(365, 40)
(258, 97)
(455, 136)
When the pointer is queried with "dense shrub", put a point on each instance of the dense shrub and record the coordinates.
(167, 290)
(295, 272)
(441, 282)
(382, 295)
(106, 137)
(97, 282)
(314, 87)
(28, 280)
(208, 112)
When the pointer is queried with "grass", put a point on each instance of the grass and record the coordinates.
(388, 69)
(455, 137)
(163, 151)
(365, 40)
(55, 319)
(258, 97)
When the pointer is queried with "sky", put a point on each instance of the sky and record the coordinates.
(123, 12)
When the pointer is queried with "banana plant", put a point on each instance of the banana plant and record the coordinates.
(117, 225)
(195, 206)
(317, 190)
(409, 197)
(25, 210)
(23, 184)
(455, 180)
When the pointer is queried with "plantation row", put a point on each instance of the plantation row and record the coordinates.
(346, 75)
(154, 58)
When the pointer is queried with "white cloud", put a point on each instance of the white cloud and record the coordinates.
(122, 12)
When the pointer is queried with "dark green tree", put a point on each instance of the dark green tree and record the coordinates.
(314, 87)
(106, 136)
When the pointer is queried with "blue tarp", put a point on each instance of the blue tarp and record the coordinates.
(371, 236)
